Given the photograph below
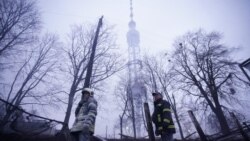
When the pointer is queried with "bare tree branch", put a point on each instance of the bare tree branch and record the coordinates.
(106, 62)
(19, 21)
(202, 68)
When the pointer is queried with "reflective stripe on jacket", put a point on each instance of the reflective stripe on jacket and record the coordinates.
(162, 117)
(86, 115)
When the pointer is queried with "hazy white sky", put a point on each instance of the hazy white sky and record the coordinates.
(158, 21)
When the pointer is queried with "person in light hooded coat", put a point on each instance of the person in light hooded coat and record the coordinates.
(85, 113)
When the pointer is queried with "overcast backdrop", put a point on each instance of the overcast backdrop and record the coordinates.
(159, 23)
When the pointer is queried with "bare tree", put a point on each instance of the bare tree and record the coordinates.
(122, 101)
(158, 78)
(106, 61)
(19, 21)
(203, 69)
(38, 63)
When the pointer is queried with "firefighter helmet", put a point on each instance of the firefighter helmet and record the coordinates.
(88, 90)
(156, 93)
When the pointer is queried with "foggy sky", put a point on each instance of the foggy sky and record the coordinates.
(159, 23)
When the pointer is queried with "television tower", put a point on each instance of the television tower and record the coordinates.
(136, 90)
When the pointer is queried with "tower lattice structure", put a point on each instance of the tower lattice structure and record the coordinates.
(136, 90)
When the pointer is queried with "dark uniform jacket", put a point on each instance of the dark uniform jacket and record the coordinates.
(162, 117)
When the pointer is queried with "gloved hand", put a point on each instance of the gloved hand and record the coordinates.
(85, 128)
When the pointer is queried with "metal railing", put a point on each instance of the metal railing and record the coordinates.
(16, 121)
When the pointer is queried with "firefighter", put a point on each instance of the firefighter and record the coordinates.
(162, 118)
(85, 114)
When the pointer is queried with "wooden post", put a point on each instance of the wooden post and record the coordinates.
(149, 123)
(244, 135)
(197, 126)
(106, 132)
(92, 56)
(121, 126)
(91, 62)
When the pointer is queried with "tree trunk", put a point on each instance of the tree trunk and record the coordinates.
(5, 120)
(10, 109)
(68, 112)
(222, 120)
(179, 125)
(121, 126)
(217, 111)
(220, 115)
